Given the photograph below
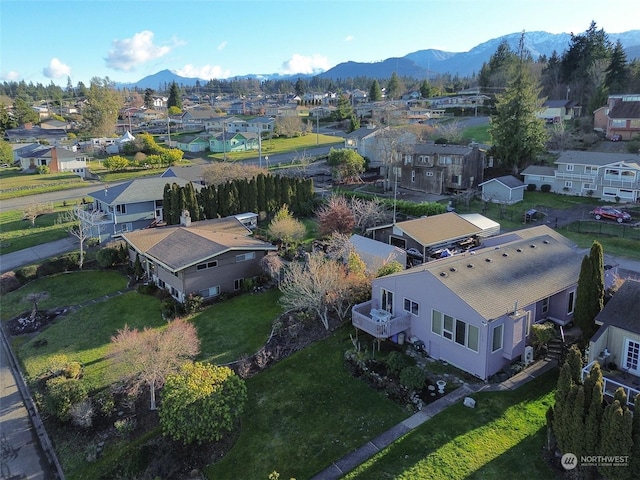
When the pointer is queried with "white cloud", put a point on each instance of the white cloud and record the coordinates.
(128, 53)
(56, 69)
(206, 72)
(10, 76)
(348, 38)
(222, 45)
(305, 64)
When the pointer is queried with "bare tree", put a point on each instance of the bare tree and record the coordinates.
(308, 286)
(452, 131)
(34, 210)
(82, 230)
(339, 246)
(146, 357)
(465, 197)
(289, 126)
(35, 298)
(220, 172)
(272, 266)
(369, 213)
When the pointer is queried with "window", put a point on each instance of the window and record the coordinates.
(209, 292)
(204, 266)
(121, 208)
(456, 179)
(632, 356)
(411, 307)
(407, 159)
(238, 283)
(568, 184)
(429, 174)
(496, 338)
(570, 305)
(545, 305)
(569, 167)
(436, 322)
(387, 300)
(245, 256)
(588, 186)
(472, 338)
(413, 176)
(447, 331)
(589, 170)
(461, 330)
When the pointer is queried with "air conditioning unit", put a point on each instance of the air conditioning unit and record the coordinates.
(528, 355)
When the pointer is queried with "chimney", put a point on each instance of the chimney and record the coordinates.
(185, 219)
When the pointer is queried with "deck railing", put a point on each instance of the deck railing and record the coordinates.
(362, 319)
(610, 385)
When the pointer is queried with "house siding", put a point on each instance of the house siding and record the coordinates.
(614, 338)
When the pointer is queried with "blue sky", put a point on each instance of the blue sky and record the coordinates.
(126, 40)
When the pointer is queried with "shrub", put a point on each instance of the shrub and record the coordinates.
(61, 394)
(72, 370)
(148, 289)
(43, 169)
(124, 426)
(171, 308)
(107, 257)
(82, 413)
(531, 187)
(105, 402)
(542, 334)
(413, 377)
(26, 274)
(193, 303)
(396, 361)
(545, 188)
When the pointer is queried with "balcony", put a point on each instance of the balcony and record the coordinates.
(616, 379)
(380, 324)
(94, 217)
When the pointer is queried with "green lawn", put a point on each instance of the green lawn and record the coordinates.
(64, 289)
(502, 437)
(304, 413)
(16, 233)
(230, 329)
(479, 133)
(13, 183)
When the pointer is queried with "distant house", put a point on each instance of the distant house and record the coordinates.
(506, 189)
(440, 169)
(118, 144)
(429, 235)
(554, 111)
(56, 158)
(233, 142)
(193, 143)
(475, 311)
(29, 133)
(204, 258)
(606, 176)
(363, 140)
(617, 341)
(539, 175)
(126, 207)
(623, 116)
(192, 173)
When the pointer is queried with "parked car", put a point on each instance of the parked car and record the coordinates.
(616, 138)
(611, 213)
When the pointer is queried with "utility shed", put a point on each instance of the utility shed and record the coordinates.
(376, 254)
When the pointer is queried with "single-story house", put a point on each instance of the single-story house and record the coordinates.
(555, 111)
(233, 142)
(475, 310)
(204, 258)
(506, 189)
(193, 143)
(57, 159)
(617, 341)
(376, 254)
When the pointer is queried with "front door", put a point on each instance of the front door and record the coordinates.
(387, 300)
(632, 357)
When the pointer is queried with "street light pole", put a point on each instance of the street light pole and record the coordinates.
(224, 139)
(259, 147)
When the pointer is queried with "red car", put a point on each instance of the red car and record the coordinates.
(611, 213)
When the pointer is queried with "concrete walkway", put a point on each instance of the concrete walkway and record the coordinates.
(351, 460)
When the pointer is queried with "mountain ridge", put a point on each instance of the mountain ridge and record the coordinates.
(421, 64)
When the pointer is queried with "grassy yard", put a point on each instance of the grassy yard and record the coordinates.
(304, 413)
(15, 184)
(479, 133)
(501, 438)
(16, 233)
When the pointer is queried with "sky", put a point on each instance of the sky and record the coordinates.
(127, 40)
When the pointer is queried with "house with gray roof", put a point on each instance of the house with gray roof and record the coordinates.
(475, 310)
(506, 189)
(623, 116)
(617, 341)
(29, 133)
(205, 258)
(127, 206)
(555, 111)
(603, 175)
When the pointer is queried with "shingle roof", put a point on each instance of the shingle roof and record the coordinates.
(178, 247)
(623, 310)
(508, 181)
(134, 191)
(596, 158)
(438, 228)
(539, 170)
(491, 281)
(625, 110)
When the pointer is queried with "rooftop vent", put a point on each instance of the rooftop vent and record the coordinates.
(443, 274)
(488, 260)
(505, 254)
(453, 269)
(546, 242)
(518, 249)
(469, 265)
(532, 246)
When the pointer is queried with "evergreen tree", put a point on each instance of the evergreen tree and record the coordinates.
(191, 202)
(375, 92)
(517, 132)
(593, 419)
(425, 89)
(635, 436)
(270, 194)
(576, 422)
(344, 109)
(166, 204)
(252, 196)
(617, 72)
(354, 124)
(393, 87)
(590, 292)
(574, 360)
(223, 200)
(260, 193)
(616, 431)
(104, 103)
(621, 396)
(174, 97)
(175, 204)
(148, 97)
(137, 268)
(300, 88)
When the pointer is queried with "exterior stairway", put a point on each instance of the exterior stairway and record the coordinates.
(556, 350)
